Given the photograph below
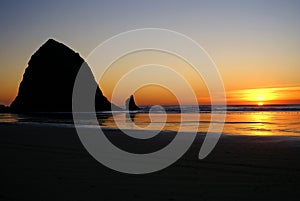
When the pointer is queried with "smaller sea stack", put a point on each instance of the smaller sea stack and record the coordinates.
(130, 104)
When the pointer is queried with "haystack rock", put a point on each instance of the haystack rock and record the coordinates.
(48, 81)
(130, 104)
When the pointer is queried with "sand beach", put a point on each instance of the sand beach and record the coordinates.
(45, 162)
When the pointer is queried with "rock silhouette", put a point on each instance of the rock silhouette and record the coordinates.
(48, 81)
(130, 104)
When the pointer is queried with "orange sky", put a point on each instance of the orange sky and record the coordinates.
(278, 95)
(240, 93)
(271, 95)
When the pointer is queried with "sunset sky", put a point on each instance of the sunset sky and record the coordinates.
(254, 44)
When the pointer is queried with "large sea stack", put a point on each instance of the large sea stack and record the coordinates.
(48, 81)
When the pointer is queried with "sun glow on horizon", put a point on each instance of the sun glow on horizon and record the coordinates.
(261, 96)
(260, 104)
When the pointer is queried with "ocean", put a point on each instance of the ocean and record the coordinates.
(267, 120)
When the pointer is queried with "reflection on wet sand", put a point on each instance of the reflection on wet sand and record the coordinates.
(260, 123)
(237, 123)
(130, 117)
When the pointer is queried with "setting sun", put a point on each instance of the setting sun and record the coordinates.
(261, 96)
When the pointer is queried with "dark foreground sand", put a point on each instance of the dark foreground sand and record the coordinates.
(49, 163)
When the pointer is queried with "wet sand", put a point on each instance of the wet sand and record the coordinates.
(44, 162)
